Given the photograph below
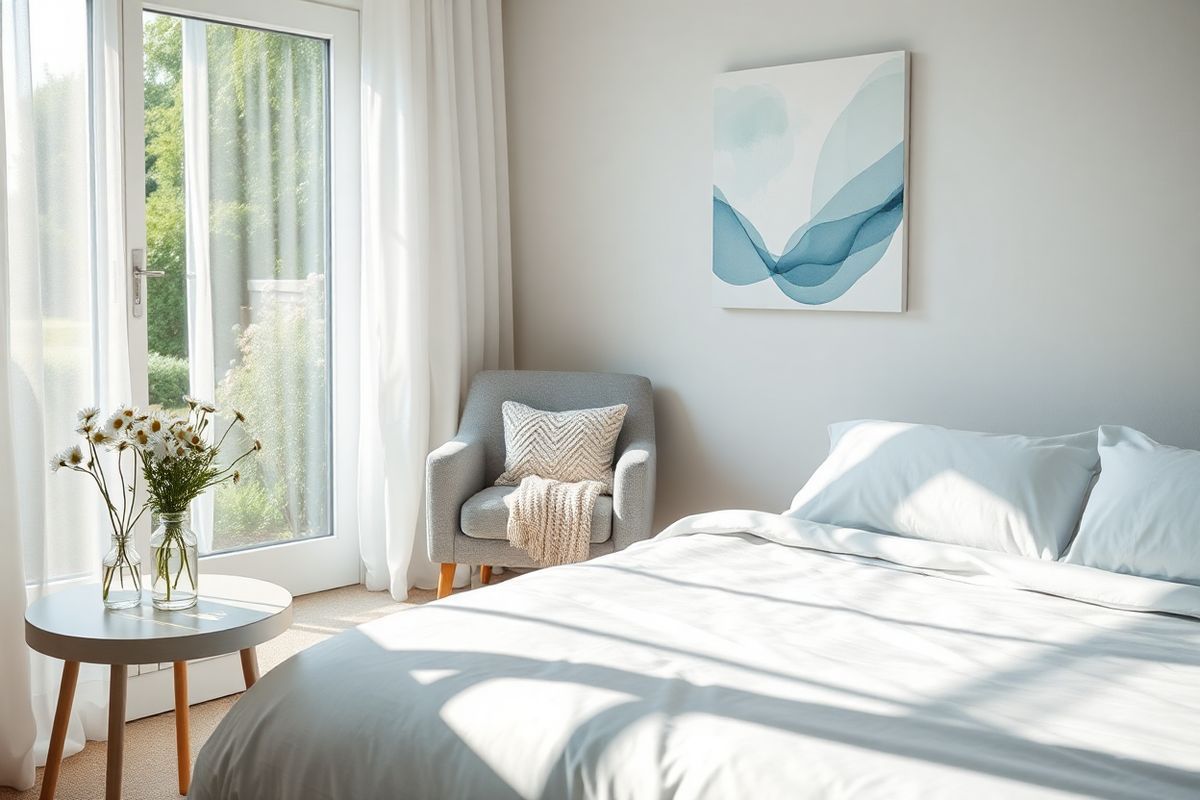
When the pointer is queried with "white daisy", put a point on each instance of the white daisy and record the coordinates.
(87, 419)
(68, 457)
(139, 434)
(116, 424)
(73, 456)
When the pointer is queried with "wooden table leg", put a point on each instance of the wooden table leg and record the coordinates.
(249, 666)
(183, 745)
(117, 680)
(58, 734)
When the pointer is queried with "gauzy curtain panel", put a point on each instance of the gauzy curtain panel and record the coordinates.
(437, 286)
(196, 153)
(63, 335)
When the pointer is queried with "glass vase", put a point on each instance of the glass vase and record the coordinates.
(121, 574)
(175, 562)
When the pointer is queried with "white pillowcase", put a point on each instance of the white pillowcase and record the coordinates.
(1013, 494)
(1143, 517)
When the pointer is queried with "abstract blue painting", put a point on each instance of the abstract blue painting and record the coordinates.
(809, 169)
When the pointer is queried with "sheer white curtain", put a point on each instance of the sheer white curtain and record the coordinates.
(64, 337)
(16, 711)
(201, 365)
(437, 286)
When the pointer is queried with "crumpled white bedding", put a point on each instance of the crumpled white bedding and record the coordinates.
(742, 654)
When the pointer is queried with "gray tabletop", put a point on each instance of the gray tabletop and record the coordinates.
(232, 613)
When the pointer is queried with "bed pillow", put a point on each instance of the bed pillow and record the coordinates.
(1013, 494)
(560, 445)
(1143, 517)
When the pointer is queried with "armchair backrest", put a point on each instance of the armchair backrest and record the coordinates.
(553, 391)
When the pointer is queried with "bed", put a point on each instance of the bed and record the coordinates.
(743, 654)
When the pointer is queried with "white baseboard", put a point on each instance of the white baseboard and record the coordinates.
(152, 691)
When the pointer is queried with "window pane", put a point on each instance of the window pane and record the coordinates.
(166, 298)
(237, 218)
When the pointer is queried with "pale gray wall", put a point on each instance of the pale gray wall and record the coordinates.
(1054, 258)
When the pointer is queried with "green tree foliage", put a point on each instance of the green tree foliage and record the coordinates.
(268, 192)
(166, 319)
(279, 384)
(169, 380)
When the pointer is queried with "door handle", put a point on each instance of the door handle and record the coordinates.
(137, 261)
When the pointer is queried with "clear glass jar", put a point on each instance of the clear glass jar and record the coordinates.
(174, 562)
(121, 574)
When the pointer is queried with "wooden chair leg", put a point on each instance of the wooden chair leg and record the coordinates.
(58, 734)
(485, 574)
(446, 580)
(183, 744)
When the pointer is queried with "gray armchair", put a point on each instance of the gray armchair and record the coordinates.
(465, 514)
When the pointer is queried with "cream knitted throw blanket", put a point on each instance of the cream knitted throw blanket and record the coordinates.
(552, 520)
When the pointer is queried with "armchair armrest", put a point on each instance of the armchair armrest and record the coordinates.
(453, 473)
(633, 494)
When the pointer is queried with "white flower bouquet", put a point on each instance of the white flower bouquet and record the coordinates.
(178, 460)
(179, 455)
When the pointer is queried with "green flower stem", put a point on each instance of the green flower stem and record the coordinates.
(183, 562)
(172, 542)
(118, 568)
(96, 474)
(124, 496)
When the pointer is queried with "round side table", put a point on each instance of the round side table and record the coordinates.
(232, 614)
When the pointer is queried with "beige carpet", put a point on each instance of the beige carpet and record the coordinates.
(150, 742)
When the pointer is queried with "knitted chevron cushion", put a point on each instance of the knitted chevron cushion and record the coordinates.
(560, 445)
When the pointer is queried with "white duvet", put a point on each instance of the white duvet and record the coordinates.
(742, 654)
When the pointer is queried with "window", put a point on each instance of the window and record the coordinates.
(246, 199)
(237, 220)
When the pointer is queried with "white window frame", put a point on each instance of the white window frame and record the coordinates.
(302, 565)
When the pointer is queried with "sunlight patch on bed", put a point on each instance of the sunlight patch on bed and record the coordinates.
(1025, 692)
(867, 449)
(520, 727)
(925, 501)
(428, 676)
